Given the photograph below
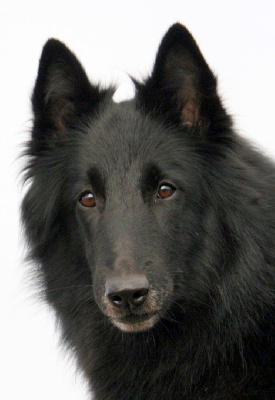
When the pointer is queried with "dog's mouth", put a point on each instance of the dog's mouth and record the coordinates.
(136, 322)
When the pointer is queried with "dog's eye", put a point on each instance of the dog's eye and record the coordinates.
(87, 199)
(165, 190)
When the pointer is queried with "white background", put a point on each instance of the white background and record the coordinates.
(111, 38)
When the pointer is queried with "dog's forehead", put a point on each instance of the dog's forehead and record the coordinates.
(123, 136)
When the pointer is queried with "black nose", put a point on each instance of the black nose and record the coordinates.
(128, 291)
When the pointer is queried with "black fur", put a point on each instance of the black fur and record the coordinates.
(176, 200)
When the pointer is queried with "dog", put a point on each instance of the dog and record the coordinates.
(152, 227)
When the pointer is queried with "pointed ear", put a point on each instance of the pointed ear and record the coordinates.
(62, 90)
(182, 88)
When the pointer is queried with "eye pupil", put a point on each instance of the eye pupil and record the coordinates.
(87, 199)
(165, 191)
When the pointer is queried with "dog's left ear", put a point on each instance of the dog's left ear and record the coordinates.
(182, 88)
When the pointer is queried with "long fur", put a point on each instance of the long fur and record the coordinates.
(207, 251)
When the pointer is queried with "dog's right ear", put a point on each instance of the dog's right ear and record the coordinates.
(62, 92)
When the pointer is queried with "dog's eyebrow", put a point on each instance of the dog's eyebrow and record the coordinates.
(151, 177)
(97, 180)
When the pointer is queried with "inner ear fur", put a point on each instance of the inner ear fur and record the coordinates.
(182, 88)
(62, 92)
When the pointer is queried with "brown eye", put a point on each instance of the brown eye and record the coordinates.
(165, 191)
(87, 199)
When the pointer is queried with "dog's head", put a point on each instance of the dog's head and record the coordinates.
(117, 196)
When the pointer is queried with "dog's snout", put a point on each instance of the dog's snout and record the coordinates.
(128, 291)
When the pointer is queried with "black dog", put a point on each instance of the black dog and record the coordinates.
(153, 228)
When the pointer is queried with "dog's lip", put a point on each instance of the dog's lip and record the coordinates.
(136, 322)
(133, 318)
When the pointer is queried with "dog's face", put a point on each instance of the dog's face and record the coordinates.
(134, 181)
(129, 176)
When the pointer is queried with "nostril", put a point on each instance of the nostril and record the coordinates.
(139, 296)
(116, 299)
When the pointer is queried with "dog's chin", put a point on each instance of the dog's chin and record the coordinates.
(135, 323)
